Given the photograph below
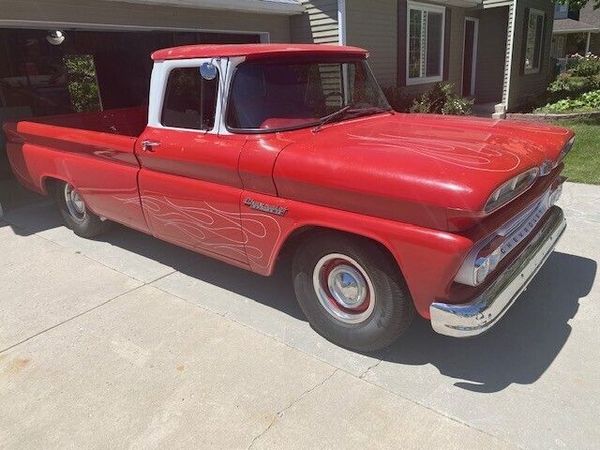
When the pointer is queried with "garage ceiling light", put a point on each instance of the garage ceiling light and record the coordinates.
(55, 37)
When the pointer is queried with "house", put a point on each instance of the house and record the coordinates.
(575, 31)
(494, 50)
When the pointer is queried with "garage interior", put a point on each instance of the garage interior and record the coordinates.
(64, 71)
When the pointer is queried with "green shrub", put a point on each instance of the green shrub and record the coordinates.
(585, 66)
(82, 83)
(568, 83)
(582, 75)
(442, 99)
(588, 102)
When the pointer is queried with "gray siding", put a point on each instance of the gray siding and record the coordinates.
(98, 12)
(457, 39)
(489, 75)
(319, 24)
(525, 87)
(373, 25)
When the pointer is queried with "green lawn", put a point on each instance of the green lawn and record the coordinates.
(582, 164)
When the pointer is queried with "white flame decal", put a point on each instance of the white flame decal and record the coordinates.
(233, 234)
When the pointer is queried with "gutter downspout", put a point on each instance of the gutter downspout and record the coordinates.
(500, 109)
(341, 6)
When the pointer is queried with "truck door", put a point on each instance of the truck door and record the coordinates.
(189, 183)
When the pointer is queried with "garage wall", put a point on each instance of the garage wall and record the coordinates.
(97, 12)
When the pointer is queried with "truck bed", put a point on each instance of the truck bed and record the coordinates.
(93, 151)
(128, 122)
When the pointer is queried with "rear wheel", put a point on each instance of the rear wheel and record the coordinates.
(351, 291)
(75, 214)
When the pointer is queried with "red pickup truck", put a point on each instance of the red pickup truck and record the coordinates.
(249, 151)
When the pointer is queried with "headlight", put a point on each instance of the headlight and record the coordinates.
(549, 165)
(488, 253)
(511, 189)
(566, 149)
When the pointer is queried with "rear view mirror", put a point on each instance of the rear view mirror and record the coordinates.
(208, 71)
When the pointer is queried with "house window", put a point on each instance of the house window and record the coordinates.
(425, 43)
(561, 11)
(533, 45)
(190, 100)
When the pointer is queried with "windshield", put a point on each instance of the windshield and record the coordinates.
(285, 95)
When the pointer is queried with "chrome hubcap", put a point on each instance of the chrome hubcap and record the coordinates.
(347, 286)
(343, 288)
(74, 203)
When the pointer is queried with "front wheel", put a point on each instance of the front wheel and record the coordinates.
(75, 214)
(351, 291)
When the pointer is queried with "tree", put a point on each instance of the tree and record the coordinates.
(82, 83)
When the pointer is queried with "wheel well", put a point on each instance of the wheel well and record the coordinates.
(306, 232)
(50, 183)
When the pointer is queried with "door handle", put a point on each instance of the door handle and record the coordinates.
(149, 146)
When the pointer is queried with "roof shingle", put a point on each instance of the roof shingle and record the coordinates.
(573, 26)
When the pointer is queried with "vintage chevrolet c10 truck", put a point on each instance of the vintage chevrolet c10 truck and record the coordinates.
(246, 152)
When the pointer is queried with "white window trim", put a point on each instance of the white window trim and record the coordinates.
(429, 8)
(474, 63)
(158, 88)
(536, 12)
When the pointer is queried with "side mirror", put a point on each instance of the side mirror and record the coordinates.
(208, 71)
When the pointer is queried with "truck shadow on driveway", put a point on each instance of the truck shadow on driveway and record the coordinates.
(518, 350)
(521, 346)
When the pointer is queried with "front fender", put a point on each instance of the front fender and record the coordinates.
(428, 259)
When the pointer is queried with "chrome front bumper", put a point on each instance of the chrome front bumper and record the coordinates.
(480, 314)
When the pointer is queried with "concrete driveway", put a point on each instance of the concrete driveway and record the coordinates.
(126, 341)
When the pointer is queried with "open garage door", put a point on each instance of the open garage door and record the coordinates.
(83, 70)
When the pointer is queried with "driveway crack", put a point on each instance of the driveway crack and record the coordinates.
(87, 311)
(282, 411)
(368, 369)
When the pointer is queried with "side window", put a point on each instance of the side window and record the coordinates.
(190, 100)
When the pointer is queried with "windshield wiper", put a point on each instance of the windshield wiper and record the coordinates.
(331, 117)
(349, 110)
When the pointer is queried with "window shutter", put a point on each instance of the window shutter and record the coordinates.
(402, 37)
(524, 42)
(447, 24)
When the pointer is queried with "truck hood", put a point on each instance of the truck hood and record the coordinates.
(412, 167)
